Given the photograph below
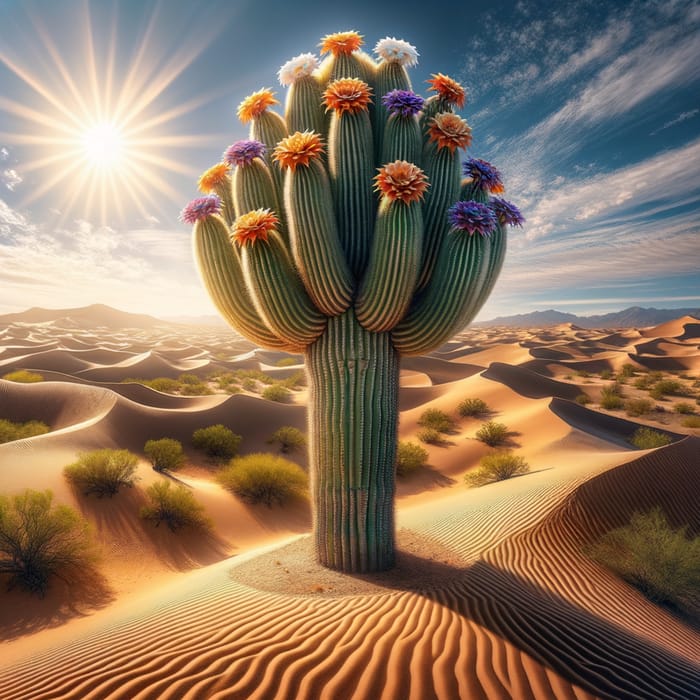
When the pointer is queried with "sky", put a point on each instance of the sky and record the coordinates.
(110, 110)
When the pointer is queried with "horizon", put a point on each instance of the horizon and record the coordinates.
(108, 119)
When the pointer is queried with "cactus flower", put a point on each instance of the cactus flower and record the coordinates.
(347, 95)
(485, 176)
(253, 226)
(213, 178)
(298, 67)
(403, 102)
(450, 131)
(298, 149)
(244, 152)
(341, 43)
(200, 208)
(506, 212)
(447, 89)
(401, 180)
(255, 104)
(472, 217)
(397, 51)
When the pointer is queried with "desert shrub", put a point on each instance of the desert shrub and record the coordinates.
(497, 467)
(39, 540)
(606, 374)
(276, 392)
(294, 381)
(24, 376)
(226, 381)
(638, 407)
(287, 362)
(583, 399)
(199, 389)
(409, 457)
(289, 438)
(249, 384)
(19, 431)
(644, 382)
(492, 433)
(648, 438)
(436, 419)
(264, 478)
(684, 408)
(665, 387)
(217, 441)
(584, 374)
(691, 422)
(163, 384)
(627, 370)
(611, 397)
(663, 563)
(175, 506)
(429, 436)
(164, 454)
(189, 379)
(102, 472)
(472, 407)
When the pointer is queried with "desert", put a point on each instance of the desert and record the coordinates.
(494, 594)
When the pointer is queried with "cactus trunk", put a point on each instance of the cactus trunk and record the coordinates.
(353, 414)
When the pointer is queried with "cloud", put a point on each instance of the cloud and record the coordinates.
(682, 117)
(4, 153)
(10, 178)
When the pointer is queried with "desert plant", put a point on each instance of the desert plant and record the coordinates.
(644, 382)
(264, 478)
(493, 433)
(472, 407)
(102, 472)
(583, 399)
(648, 438)
(39, 539)
(409, 457)
(289, 438)
(276, 392)
(24, 376)
(584, 374)
(497, 467)
(606, 374)
(430, 436)
(435, 419)
(187, 378)
(217, 441)
(175, 506)
(287, 362)
(661, 562)
(684, 408)
(691, 422)
(611, 397)
(628, 370)
(664, 387)
(164, 454)
(320, 267)
(19, 431)
(638, 407)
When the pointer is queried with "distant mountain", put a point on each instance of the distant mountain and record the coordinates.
(634, 317)
(208, 320)
(94, 316)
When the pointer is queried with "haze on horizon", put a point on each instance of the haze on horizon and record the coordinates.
(590, 112)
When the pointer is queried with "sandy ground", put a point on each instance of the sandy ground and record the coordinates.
(492, 596)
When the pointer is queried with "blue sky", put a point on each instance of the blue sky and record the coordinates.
(591, 110)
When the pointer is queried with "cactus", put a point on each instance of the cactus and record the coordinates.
(355, 241)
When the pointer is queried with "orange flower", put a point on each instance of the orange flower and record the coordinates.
(450, 131)
(216, 175)
(341, 42)
(401, 180)
(447, 89)
(298, 149)
(254, 105)
(347, 95)
(254, 225)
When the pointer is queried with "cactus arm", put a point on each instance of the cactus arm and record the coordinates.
(390, 75)
(304, 107)
(270, 128)
(220, 269)
(402, 140)
(390, 280)
(253, 188)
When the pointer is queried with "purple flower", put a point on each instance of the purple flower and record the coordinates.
(484, 176)
(473, 217)
(243, 152)
(506, 213)
(403, 102)
(200, 208)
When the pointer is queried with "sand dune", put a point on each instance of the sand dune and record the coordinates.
(529, 383)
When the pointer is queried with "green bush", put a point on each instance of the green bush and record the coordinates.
(19, 431)
(175, 506)
(264, 478)
(638, 407)
(249, 384)
(472, 407)
(611, 397)
(289, 438)
(430, 436)
(409, 457)
(665, 387)
(492, 433)
(39, 540)
(691, 422)
(497, 467)
(192, 379)
(164, 454)
(287, 362)
(606, 374)
(276, 392)
(217, 441)
(644, 382)
(436, 419)
(647, 438)
(684, 408)
(24, 376)
(663, 563)
(102, 472)
(584, 374)
(162, 384)
(583, 399)
(628, 370)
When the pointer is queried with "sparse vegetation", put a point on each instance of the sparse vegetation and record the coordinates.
(638, 407)
(429, 436)
(276, 392)
(472, 407)
(648, 438)
(493, 433)
(691, 422)
(165, 385)
(175, 506)
(583, 399)
(606, 374)
(436, 419)
(287, 362)
(102, 472)
(684, 408)
(39, 539)
(289, 438)
(165, 454)
(264, 478)
(665, 387)
(497, 467)
(663, 563)
(584, 374)
(644, 382)
(611, 397)
(628, 370)
(19, 431)
(217, 441)
(24, 376)
(409, 457)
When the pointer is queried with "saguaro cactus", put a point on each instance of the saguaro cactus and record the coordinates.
(356, 240)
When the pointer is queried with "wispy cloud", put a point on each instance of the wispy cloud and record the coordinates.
(682, 117)
(10, 178)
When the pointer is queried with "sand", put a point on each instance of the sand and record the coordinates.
(493, 596)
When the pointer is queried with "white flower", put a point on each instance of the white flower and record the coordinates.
(397, 51)
(297, 67)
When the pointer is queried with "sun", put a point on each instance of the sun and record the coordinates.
(104, 146)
